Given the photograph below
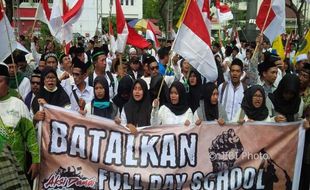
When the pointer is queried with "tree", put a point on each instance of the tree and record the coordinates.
(298, 13)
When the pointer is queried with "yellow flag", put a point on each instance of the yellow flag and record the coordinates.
(183, 14)
(278, 45)
(305, 46)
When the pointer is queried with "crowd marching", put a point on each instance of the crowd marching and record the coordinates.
(144, 87)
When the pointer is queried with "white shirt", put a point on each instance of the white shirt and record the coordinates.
(231, 98)
(87, 94)
(111, 91)
(164, 116)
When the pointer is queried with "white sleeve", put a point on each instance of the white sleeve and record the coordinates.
(220, 92)
(190, 116)
(88, 109)
(123, 118)
(196, 117)
(155, 116)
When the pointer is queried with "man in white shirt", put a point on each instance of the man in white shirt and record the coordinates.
(80, 93)
(231, 92)
(99, 61)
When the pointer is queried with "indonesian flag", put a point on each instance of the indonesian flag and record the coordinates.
(223, 12)
(204, 6)
(193, 43)
(63, 16)
(135, 39)
(272, 24)
(43, 12)
(122, 28)
(150, 35)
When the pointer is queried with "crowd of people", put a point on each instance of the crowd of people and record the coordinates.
(146, 87)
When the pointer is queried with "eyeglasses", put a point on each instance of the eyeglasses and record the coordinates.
(258, 96)
(153, 68)
(32, 82)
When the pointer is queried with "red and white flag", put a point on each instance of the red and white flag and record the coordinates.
(122, 28)
(112, 38)
(136, 39)
(271, 18)
(43, 12)
(63, 15)
(204, 6)
(193, 43)
(223, 12)
(150, 35)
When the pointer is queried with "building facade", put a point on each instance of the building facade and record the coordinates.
(87, 24)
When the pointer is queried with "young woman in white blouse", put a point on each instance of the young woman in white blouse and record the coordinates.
(176, 111)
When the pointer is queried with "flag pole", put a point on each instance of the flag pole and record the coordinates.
(10, 44)
(262, 31)
(35, 19)
(170, 54)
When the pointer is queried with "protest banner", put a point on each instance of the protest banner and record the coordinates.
(94, 153)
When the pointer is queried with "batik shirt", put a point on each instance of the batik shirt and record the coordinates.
(15, 119)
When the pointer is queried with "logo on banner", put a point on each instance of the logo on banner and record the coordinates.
(224, 151)
(70, 178)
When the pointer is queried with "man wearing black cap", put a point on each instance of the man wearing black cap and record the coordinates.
(147, 59)
(23, 65)
(80, 92)
(15, 121)
(17, 77)
(268, 72)
(99, 60)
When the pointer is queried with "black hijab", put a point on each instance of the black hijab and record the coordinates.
(58, 98)
(194, 94)
(123, 92)
(154, 88)
(102, 107)
(290, 107)
(138, 113)
(182, 106)
(256, 114)
(211, 110)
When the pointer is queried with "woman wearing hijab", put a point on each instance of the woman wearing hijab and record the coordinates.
(210, 109)
(285, 104)
(101, 105)
(194, 94)
(137, 111)
(176, 111)
(51, 92)
(253, 106)
(123, 93)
